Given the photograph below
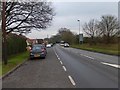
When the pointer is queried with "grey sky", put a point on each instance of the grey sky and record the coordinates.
(67, 14)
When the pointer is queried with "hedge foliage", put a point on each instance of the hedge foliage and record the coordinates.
(15, 44)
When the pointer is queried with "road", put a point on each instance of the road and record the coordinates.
(66, 68)
(39, 73)
(89, 69)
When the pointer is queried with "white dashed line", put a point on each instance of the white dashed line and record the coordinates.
(109, 64)
(57, 55)
(72, 81)
(81, 54)
(61, 62)
(87, 56)
(58, 58)
(64, 68)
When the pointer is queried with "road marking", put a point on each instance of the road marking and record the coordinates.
(64, 68)
(55, 53)
(61, 62)
(87, 56)
(113, 65)
(57, 56)
(71, 79)
(81, 54)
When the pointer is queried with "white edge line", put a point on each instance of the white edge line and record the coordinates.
(72, 81)
(64, 68)
(113, 65)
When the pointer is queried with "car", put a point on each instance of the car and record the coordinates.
(48, 45)
(62, 44)
(38, 51)
(66, 45)
(51, 44)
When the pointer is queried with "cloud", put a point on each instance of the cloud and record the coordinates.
(67, 14)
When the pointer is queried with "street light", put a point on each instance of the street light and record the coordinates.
(79, 30)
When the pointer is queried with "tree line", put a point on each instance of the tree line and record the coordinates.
(105, 30)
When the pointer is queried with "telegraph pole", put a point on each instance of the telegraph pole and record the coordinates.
(4, 42)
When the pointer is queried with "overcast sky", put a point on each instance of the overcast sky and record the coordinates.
(67, 14)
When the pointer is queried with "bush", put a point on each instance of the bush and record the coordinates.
(15, 44)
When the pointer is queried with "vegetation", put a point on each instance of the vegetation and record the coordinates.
(101, 36)
(107, 28)
(13, 61)
(15, 44)
(102, 48)
(0, 68)
(22, 17)
(66, 35)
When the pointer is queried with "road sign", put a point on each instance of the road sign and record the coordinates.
(81, 37)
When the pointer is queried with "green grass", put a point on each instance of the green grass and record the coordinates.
(0, 67)
(13, 61)
(103, 48)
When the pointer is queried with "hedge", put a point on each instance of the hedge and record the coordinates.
(15, 44)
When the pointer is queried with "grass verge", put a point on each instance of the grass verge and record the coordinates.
(0, 68)
(102, 48)
(13, 61)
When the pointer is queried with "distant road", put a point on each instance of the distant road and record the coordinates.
(89, 69)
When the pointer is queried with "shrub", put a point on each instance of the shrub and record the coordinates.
(15, 44)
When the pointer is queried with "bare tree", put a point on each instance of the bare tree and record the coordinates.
(109, 27)
(90, 29)
(22, 17)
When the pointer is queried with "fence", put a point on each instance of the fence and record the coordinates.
(15, 44)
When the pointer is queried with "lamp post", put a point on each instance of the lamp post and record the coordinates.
(79, 30)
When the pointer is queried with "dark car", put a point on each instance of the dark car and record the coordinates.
(38, 50)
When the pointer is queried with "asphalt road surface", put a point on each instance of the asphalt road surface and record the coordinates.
(89, 69)
(39, 73)
(66, 68)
